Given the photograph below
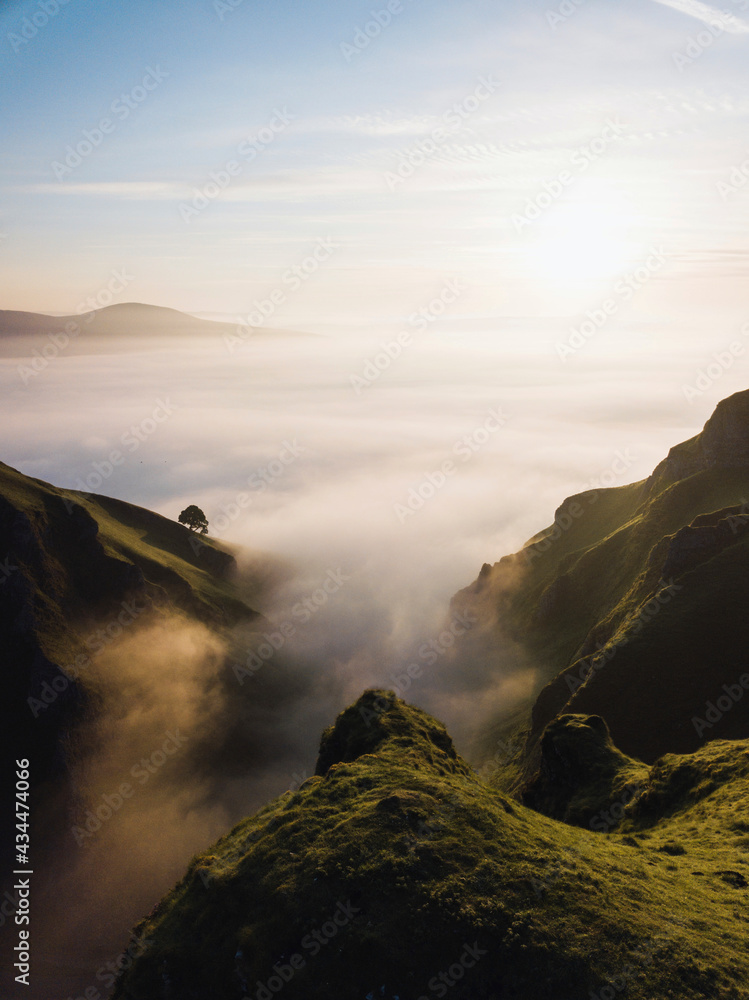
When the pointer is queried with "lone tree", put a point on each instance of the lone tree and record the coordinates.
(194, 518)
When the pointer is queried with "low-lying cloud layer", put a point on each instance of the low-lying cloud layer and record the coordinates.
(378, 480)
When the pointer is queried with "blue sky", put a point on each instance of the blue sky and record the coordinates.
(218, 76)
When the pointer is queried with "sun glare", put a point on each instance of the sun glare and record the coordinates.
(582, 241)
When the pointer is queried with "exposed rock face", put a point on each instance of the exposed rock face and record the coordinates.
(701, 540)
(581, 771)
(724, 442)
(725, 439)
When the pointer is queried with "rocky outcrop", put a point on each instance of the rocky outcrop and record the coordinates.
(377, 718)
(723, 443)
(706, 537)
(581, 772)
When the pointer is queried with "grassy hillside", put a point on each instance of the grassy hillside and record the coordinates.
(78, 571)
(630, 605)
(397, 872)
(67, 528)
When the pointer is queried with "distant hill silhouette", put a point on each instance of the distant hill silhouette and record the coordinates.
(21, 332)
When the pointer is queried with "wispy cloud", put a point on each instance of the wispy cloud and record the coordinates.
(134, 190)
(710, 15)
(284, 184)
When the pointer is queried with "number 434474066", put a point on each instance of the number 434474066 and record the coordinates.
(22, 811)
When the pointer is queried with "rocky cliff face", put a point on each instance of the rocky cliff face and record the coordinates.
(706, 537)
(629, 605)
(723, 443)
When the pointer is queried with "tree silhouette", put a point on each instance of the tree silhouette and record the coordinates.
(194, 518)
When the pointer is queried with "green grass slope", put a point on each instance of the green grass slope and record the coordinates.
(194, 571)
(396, 873)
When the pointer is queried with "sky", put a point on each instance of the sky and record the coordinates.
(420, 141)
(517, 233)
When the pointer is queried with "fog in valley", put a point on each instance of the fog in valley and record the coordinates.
(362, 481)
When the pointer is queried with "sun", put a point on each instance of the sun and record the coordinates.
(582, 240)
